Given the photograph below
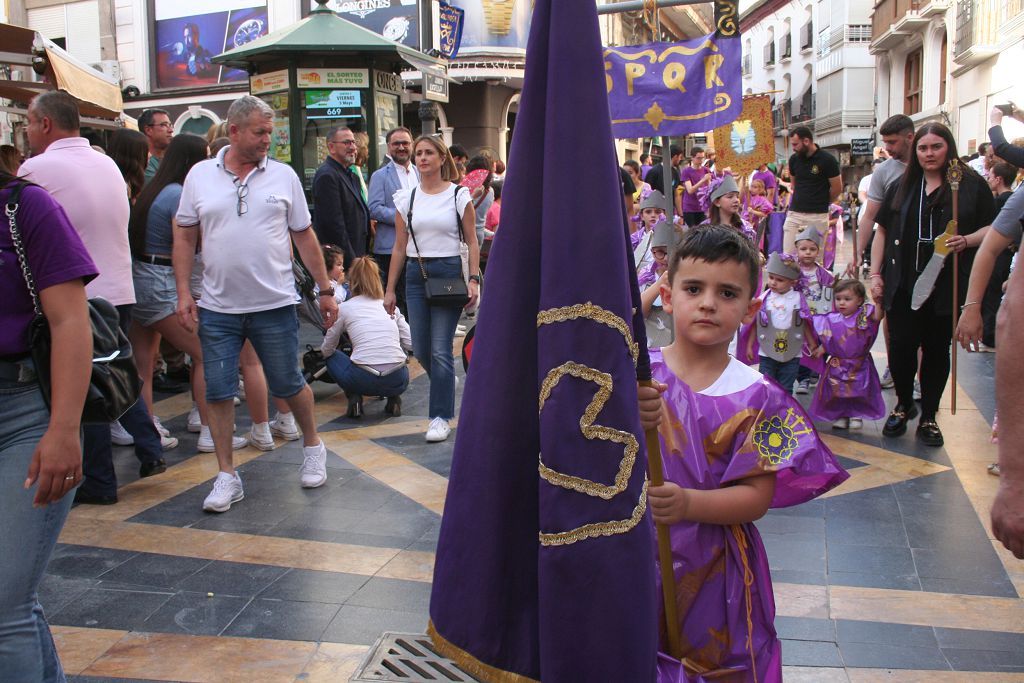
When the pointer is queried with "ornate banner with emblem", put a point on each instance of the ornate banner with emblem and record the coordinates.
(451, 19)
(747, 142)
(674, 88)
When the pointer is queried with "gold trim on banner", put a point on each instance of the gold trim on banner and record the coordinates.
(725, 17)
(631, 446)
(655, 115)
(598, 528)
(470, 664)
(594, 312)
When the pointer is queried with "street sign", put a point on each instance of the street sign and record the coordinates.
(860, 147)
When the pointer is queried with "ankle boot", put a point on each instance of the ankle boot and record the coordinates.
(393, 406)
(355, 405)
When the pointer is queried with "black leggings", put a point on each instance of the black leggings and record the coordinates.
(912, 330)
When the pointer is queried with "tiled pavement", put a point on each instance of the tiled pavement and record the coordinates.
(892, 577)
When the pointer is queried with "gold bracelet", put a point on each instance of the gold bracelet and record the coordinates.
(969, 303)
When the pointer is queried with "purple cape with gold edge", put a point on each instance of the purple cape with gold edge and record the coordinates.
(543, 565)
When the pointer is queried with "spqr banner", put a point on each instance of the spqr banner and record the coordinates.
(674, 88)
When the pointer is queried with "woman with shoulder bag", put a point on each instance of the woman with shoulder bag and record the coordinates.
(431, 222)
(40, 449)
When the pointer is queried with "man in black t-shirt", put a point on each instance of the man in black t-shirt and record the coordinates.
(816, 183)
(654, 176)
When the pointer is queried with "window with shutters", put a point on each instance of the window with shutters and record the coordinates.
(912, 82)
(74, 26)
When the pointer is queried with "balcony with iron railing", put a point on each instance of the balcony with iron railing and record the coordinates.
(786, 47)
(888, 14)
(980, 27)
(769, 54)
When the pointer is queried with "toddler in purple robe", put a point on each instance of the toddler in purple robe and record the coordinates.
(849, 389)
(733, 444)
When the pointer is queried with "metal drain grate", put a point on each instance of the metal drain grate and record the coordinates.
(409, 658)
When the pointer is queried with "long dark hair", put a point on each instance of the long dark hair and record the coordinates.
(130, 151)
(185, 151)
(914, 174)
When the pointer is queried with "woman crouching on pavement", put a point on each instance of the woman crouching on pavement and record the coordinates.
(379, 343)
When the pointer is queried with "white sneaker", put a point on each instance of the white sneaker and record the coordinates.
(803, 386)
(227, 489)
(917, 390)
(856, 423)
(205, 444)
(119, 435)
(887, 382)
(841, 423)
(313, 472)
(163, 431)
(460, 331)
(236, 401)
(259, 436)
(168, 442)
(241, 388)
(195, 424)
(438, 430)
(283, 425)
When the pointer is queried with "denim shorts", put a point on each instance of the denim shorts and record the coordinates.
(275, 336)
(156, 295)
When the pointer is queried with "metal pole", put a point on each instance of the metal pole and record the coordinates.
(666, 141)
(633, 5)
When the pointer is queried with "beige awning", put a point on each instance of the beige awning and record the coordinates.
(84, 83)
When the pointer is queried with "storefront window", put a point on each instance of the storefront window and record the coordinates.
(387, 118)
(323, 110)
(281, 138)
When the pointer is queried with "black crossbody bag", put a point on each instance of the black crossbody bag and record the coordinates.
(114, 385)
(449, 292)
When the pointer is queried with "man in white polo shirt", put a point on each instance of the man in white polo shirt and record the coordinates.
(249, 209)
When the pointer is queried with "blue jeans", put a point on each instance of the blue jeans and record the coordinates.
(355, 380)
(98, 454)
(805, 373)
(783, 373)
(29, 536)
(433, 332)
(275, 336)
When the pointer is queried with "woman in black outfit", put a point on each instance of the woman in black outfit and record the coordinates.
(913, 213)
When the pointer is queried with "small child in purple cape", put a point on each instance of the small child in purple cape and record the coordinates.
(849, 389)
(733, 445)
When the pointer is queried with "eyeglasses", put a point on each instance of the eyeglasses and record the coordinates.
(243, 191)
(165, 124)
(344, 142)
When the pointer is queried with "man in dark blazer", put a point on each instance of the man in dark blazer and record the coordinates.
(340, 215)
(398, 174)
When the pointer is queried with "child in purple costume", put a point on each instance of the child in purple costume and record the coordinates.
(849, 389)
(733, 445)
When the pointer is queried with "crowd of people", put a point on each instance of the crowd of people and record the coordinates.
(195, 240)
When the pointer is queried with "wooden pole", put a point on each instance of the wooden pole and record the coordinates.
(656, 475)
(954, 175)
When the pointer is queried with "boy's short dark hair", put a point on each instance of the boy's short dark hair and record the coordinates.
(898, 124)
(1007, 172)
(717, 244)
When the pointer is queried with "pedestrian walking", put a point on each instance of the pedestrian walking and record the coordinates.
(249, 209)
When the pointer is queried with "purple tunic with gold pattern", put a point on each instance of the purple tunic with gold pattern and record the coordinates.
(741, 426)
(849, 387)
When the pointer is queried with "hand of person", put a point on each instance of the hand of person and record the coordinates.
(1008, 518)
(649, 398)
(188, 314)
(474, 293)
(668, 503)
(969, 328)
(956, 243)
(995, 116)
(389, 302)
(328, 310)
(877, 287)
(56, 465)
(851, 270)
(818, 352)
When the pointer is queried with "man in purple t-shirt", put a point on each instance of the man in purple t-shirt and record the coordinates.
(692, 178)
(768, 178)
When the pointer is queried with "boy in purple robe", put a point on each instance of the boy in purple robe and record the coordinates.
(849, 389)
(733, 445)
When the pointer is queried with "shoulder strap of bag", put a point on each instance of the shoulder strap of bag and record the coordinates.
(11, 209)
(408, 224)
(458, 216)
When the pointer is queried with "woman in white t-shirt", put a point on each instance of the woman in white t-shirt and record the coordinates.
(377, 364)
(437, 206)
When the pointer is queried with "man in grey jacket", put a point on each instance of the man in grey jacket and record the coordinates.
(399, 174)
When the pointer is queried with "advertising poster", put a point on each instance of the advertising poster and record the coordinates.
(397, 20)
(190, 32)
(494, 26)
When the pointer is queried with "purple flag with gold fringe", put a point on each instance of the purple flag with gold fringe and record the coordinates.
(545, 564)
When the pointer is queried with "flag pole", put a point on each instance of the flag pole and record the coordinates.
(954, 175)
(655, 473)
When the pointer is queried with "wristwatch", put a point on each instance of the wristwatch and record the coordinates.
(498, 16)
(474, 278)
(329, 291)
